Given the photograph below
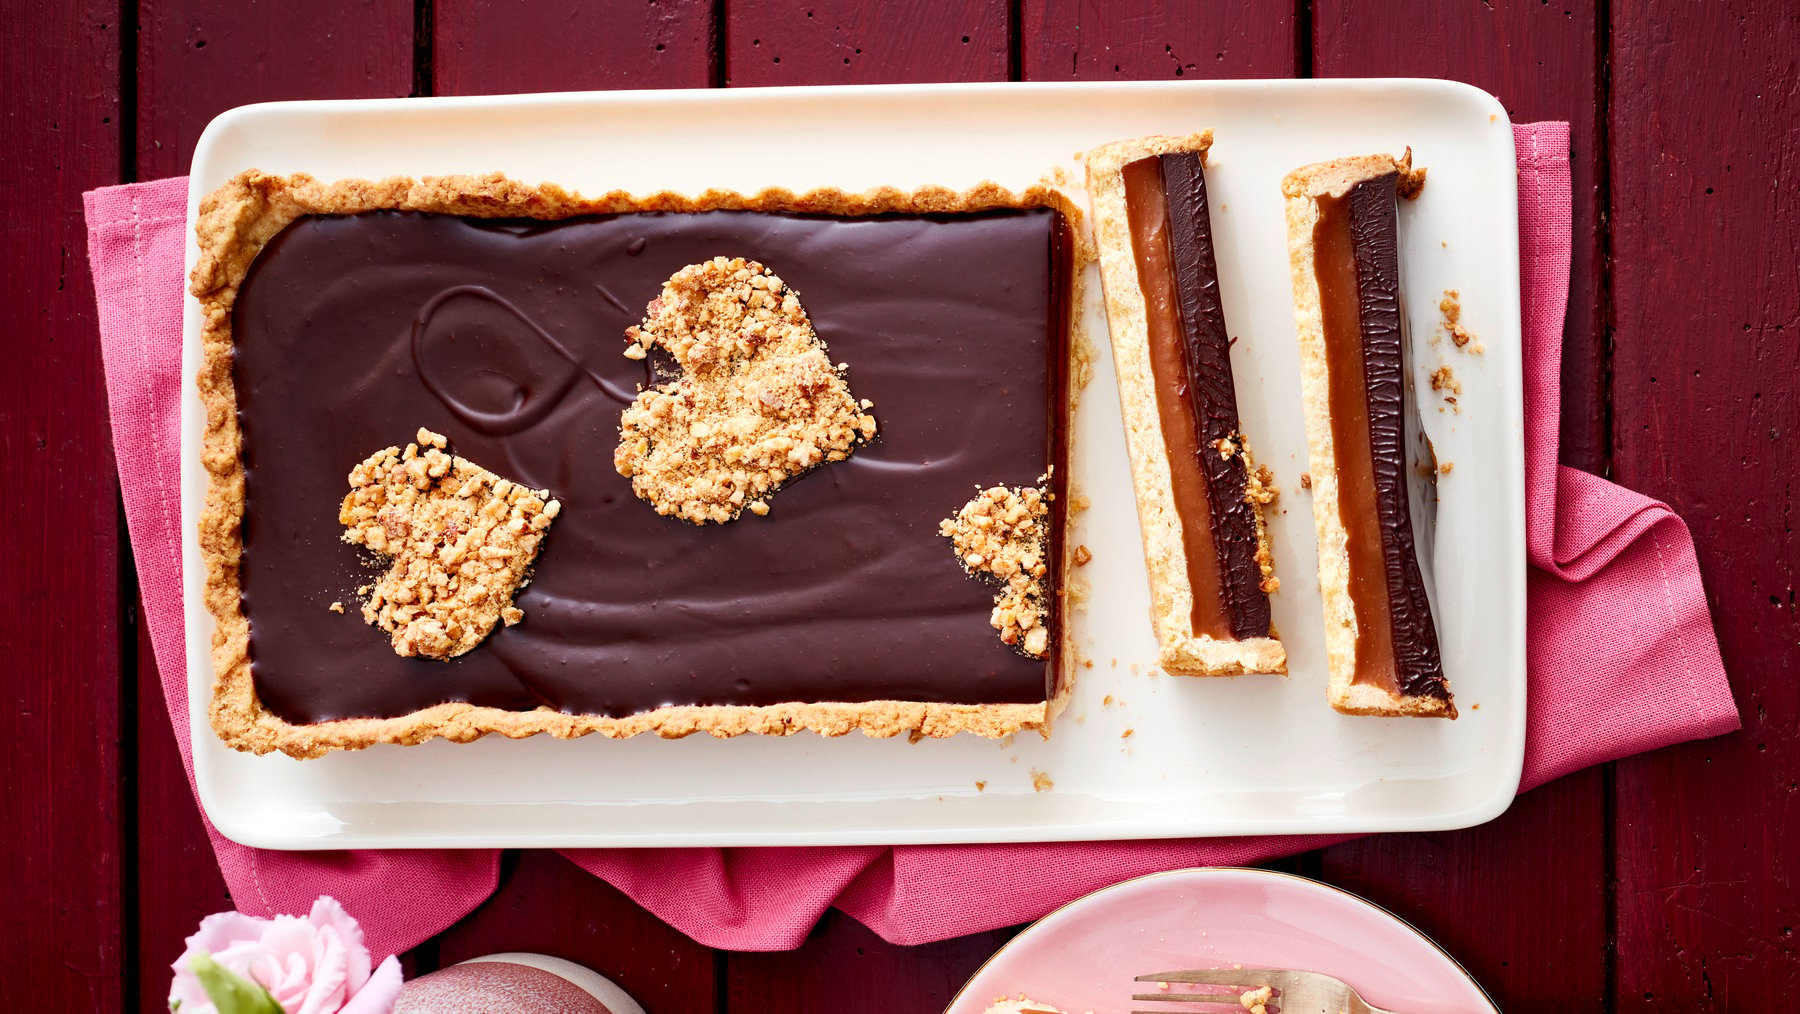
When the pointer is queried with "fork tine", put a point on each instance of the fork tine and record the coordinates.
(1221, 976)
(1186, 997)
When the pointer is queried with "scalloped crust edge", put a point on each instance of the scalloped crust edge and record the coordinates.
(239, 218)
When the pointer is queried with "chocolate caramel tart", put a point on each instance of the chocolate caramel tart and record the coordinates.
(1200, 496)
(1343, 251)
(342, 317)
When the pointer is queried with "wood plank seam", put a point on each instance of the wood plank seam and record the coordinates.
(1015, 40)
(129, 704)
(1602, 465)
(1306, 39)
(424, 48)
(130, 912)
(721, 51)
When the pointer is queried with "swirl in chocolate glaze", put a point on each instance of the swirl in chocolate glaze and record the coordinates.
(526, 410)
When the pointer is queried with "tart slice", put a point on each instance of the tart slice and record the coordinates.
(1343, 250)
(1200, 497)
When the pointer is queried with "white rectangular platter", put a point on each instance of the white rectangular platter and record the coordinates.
(1138, 754)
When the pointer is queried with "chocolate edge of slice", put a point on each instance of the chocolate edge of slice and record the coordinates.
(1064, 274)
(1211, 392)
(1374, 225)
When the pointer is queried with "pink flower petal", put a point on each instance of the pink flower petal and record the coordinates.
(220, 931)
(327, 912)
(378, 995)
(328, 991)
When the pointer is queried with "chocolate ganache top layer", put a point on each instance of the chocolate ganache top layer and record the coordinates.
(353, 332)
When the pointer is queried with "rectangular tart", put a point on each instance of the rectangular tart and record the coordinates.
(1200, 496)
(490, 318)
(1343, 251)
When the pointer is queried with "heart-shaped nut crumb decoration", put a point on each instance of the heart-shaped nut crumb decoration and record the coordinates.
(1002, 533)
(758, 401)
(460, 537)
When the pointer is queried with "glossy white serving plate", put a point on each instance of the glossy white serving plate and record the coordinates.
(1250, 755)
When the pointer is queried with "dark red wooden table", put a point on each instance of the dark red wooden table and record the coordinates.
(1662, 882)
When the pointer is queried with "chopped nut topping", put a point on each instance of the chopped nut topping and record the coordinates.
(1444, 379)
(1002, 533)
(1451, 324)
(758, 402)
(1256, 1000)
(1259, 488)
(461, 540)
(1083, 555)
(336, 607)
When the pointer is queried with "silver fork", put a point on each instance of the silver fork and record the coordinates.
(1293, 992)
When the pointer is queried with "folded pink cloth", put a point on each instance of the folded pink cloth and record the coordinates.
(1603, 560)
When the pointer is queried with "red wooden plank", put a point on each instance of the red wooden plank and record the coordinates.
(803, 42)
(1706, 276)
(792, 42)
(1522, 901)
(1542, 60)
(504, 46)
(60, 709)
(494, 46)
(198, 58)
(1446, 883)
(177, 881)
(1092, 40)
(1138, 40)
(844, 966)
(549, 905)
(546, 903)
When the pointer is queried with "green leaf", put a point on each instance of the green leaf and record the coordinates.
(230, 992)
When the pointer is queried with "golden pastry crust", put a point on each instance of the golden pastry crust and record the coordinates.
(1333, 178)
(1182, 651)
(239, 218)
(1302, 187)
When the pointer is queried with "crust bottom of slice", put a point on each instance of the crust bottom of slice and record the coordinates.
(1363, 699)
(1183, 653)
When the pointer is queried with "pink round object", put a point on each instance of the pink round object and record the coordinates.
(516, 984)
(1083, 956)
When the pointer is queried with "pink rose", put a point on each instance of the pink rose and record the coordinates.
(315, 965)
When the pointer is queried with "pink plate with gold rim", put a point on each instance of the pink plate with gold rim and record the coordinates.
(1083, 956)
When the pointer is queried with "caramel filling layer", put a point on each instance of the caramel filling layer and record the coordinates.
(1190, 357)
(1356, 261)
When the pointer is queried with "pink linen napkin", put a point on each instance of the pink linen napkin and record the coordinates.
(1602, 558)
